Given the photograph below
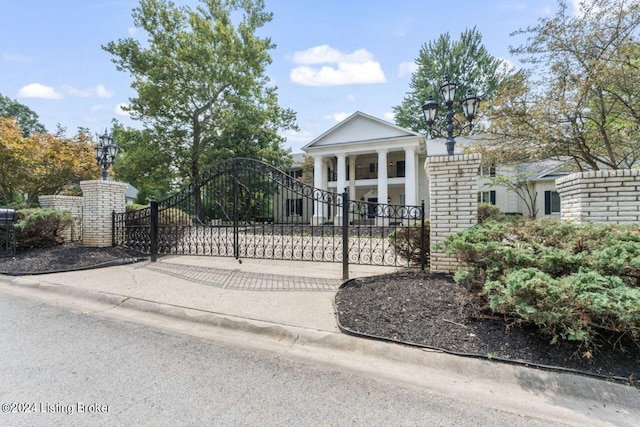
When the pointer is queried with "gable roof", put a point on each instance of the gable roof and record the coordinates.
(361, 127)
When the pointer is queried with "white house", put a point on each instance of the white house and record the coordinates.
(380, 162)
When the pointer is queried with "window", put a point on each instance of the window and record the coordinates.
(294, 207)
(551, 202)
(487, 170)
(373, 167)
(487, 197)
(400, 169)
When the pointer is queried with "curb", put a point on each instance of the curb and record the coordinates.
(309, 342)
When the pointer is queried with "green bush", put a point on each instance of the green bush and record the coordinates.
(487, 211)
(38, 228)
(406, 242)
(576, 283)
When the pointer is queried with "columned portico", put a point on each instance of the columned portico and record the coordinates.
(319, 182)
(352, 177)
(383, 185)
(382, 166)
(410, 176)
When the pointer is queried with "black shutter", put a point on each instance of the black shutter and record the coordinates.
(492, 197)
(547, 202)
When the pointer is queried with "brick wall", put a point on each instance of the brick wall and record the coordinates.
(72, 204)
(453, 194)
(609, 196)
(101, 198)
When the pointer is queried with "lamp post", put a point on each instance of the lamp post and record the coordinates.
(453, 128)
(105, 153)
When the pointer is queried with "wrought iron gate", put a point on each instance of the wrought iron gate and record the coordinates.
(248, 209)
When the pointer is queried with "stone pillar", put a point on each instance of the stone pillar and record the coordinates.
(72, 204)
(453, 194)
(410, 176)
(318, 183)
(101, 198)
(601, 197)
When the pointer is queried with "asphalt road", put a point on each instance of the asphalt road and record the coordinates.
(64, 367)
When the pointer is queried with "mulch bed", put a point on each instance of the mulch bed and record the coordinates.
(433, 311)
(69, 256)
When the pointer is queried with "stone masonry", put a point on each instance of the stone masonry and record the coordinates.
(101, 198)
(602, 197)
(72, 204)
(453, 194)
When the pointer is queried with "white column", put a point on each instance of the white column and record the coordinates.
(383, 190)
(341, 183)
(352, 177)
(410, 176)
(318, 183)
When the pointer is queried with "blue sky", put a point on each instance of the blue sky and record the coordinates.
(333, 57)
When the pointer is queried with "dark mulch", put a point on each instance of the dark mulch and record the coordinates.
(69, 256)
(432, 310)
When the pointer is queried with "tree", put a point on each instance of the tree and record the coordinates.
(26, 118)
(521, 184)
(202, 93)
(42, 164)
(466, 61)
(143, 163)
(581, 95)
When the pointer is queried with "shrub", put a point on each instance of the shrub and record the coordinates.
(38, 228)
(487, 211)
(406, 242)
(579, 307)
(576, 283)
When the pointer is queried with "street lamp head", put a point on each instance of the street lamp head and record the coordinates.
(112, 151)
(105, 153)
(448, 90)
(470, 104)
(105, 139)
(430, 109)
(97, 153)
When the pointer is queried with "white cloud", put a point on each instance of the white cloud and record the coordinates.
(358, 67)
(79, 93)
(37, 90)
(407, 68)
(337, 117)
(16, 58)
(99, 107)
(389, 116)
(100, 91)
(294, 137)
(119, 110)
(132, 31)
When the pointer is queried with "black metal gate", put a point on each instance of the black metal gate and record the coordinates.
(245, 208)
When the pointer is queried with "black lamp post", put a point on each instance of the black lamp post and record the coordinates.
(105, 153)
(454, 128)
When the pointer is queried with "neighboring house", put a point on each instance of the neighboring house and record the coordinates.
(379, 162)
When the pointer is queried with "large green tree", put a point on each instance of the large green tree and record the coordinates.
(25, 117)
(202, 91)
(466, 61)
(580, 97)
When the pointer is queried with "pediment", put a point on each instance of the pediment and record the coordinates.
(360, 127)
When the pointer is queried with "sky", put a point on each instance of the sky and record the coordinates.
(332, 57)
